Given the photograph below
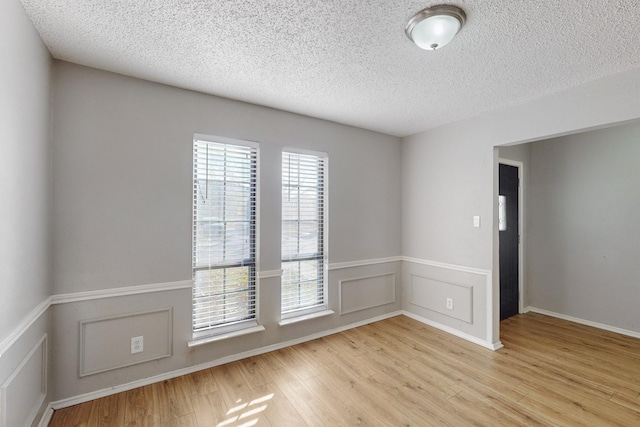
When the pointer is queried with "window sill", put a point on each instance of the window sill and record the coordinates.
(225, 336)
(304, 317)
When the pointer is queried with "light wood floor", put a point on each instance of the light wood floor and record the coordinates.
(399, 372)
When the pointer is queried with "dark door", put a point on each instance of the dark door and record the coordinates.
(509, 242)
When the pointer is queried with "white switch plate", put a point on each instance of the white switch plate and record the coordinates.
(476, 221)
(137, 344)
(449, 303)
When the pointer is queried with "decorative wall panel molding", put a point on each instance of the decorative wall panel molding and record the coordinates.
(105, 343)
(23, 392)
(120, 292)
(432, 294)
(428, 284)
(453, 267)
(367, 292)
(363, 262)
(24, 325)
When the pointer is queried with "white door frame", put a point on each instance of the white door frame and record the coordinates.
(520, 167)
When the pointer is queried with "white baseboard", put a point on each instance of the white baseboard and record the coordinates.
(491, 346)
(46, 416)
(191, 369)
(609, 328)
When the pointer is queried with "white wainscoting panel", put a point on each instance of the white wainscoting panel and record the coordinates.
(432, 294)
(366, 292)
(75, 400)
(24, 326)
(23, 392)
(105, 343)
(427, 285)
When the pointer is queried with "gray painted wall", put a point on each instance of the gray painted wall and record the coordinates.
(25, 172)
(519, 153)
(25, 196)
(122, 186)
(122, 179)
(584, 234)
(450, 174)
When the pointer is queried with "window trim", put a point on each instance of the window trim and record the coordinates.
(249, 325)
(239, 329)
(303, 317)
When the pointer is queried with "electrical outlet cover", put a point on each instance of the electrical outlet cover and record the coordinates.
(450, 303)
(137, 344)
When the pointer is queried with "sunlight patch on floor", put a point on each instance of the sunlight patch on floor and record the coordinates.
(246, 410)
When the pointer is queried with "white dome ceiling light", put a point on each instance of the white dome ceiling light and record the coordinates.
(435, 26)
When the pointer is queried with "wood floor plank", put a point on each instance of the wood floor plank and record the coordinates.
(209, 409)
(147, 421)
(629, 400)
(331, 389)
(341, 344)
(313, 411)
(249, 407)
(387, 411)
(73, 416)
(260, 370)
(315, 351)
(352, 364)
(108, 411)
(201, 382)
(140, 404)
(302, 364)
(421, 405)
(487, 413)
(607, 379)
(174, 399)
(400, 372)
(596, 411)
(277, 408)
(266, 360)
(188, 420)
(231, 382)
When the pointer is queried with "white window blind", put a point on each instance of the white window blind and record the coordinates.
(303, 233)
(224, 233)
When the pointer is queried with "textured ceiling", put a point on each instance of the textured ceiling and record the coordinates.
(349, 61)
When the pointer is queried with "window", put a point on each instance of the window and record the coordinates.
(224, 233)
(303, 233)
